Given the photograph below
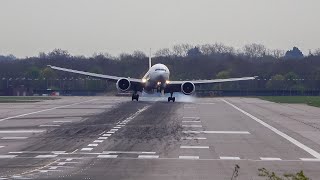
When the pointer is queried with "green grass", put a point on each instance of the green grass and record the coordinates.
(23, 99)
(310, 100)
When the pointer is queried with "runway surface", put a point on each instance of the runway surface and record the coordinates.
(114, 138)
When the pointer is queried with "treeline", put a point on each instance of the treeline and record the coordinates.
(277, 69)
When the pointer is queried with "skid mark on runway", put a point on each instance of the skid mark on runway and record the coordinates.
(287, 137)
(112, 131)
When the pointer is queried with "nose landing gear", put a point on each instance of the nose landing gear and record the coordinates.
(173, 99)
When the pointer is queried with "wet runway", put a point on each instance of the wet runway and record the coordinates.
(114, 138)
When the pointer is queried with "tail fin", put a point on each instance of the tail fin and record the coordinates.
(150, 59)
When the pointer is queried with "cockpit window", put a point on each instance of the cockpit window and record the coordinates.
(161, 70)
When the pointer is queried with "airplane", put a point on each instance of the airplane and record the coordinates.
(157, 78)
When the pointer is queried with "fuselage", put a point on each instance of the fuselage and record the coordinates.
(157, 77)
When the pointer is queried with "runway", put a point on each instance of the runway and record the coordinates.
(114, 138)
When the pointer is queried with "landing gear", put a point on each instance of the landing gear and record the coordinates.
(173, 99)
(135, 96)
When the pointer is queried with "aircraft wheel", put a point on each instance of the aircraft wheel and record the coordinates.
(173, 99)
(169, 99)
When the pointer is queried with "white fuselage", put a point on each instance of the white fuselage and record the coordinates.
(156, 78)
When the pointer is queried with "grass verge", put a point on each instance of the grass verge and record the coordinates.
(310, 100)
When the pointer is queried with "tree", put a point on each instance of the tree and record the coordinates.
(181, 50)
(139, 54)
(194, 52)
(277, 53)
(59, 54)
(48, 73)
(217, 48)
(165, 52)
(33, 72)
(254, 50)
(295, 53)
(316, 52)
(276, 82)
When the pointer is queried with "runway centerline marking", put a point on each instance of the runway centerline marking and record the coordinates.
(229, 158)
(14, 138)
(22, 131)
(127, 152)
(191, 125)
(217, 132)
(287, 137)
(194, 147)
(148, 156)
(191, 121)
(107, 156)
(49, 125)
(46, 156)
(193, 138)
(44, 110)
(7, 156)
(86, 149)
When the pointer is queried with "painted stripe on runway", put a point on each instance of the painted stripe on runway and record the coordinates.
(98, 141)
(116, 127)
(194, 147)
(102, 137)
(191, 125)
(309, 159)
(7, 156)
(193, 138)
(36, 112)
(148, 156)
(292, 140)
(62, 121)
(121, 125)
(46, 156)
(1, 146)
(49, 125)
(127, 152)
(14, 138)
(53, 167)
(188, 117)
(188, 157)
(107, 156)
(93, 145)
(191, 121)
(22, 131)
(111, 132)
(217, 132)
(270, 159)
(69, 159)
(58, 152)
(107, 135)
(61, 163)
(229, 158)
(86, 149)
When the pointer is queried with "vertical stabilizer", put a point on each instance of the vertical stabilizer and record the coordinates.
(150, 59)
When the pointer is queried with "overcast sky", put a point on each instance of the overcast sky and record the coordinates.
(83, 27)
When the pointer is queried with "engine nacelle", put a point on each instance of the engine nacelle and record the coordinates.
(123, 84)
(188, 88)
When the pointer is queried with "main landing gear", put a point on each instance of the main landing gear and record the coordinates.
(135, 96)
(173, 99)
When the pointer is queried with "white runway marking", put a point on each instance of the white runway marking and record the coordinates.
(49, 125)
(102, 137)
(1, 146)
(107, 156)
(194, 147)
(148, 156)
(62, 121)
(127, 152)
(217, 132)
(229, 158)
(93, 145)
(69, 159)
(14, 138)
(54, 167)
(36, 112)
(292, 140)
(86, 149)
(191, 121)
(58, 152)
(188, 157)
(114, 129)
(111, 132)
(194, 138)
(22, 131)
(191, 117)
(191, 125)
(107, 135)
(61, 163)
(120, 125)
(46, 156)
(117, 127)
(7, 156)
(98, 141)
(270, 159)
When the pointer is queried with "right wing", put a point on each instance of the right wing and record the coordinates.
(101, 76)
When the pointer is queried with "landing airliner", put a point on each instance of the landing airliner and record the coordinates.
(157, 78)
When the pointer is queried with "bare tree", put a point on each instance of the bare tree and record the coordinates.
(254, 50)
(165, 52)
(139, 54)
(217, 48)
(181, 50)
(316, 52)
(277, 53)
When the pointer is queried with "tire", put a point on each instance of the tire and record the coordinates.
(173, 99)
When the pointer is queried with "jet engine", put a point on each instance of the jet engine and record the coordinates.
(123, 84)
(188, 88)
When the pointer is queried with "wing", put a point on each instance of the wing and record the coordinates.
(175, 86)
(101, 76)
